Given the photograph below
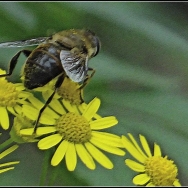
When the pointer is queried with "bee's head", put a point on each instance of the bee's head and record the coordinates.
(94, 42)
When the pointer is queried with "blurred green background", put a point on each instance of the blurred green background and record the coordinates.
(141, 78)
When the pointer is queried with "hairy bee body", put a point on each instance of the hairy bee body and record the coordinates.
(42, 65)
(45, 63)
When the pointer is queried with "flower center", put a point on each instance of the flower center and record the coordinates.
(74, 128)
(71, 91)
(161, 170)
(8, 94)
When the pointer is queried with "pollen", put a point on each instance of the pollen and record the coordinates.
(8, 94)
(74, 128)
(162, 171)
(70, 91)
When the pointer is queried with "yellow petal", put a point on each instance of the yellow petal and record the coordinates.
(141, 179)
(134, 165)
(32, 113)
(45, 130)
(51, 113)
(18, 109)
(46, 94)
(6, 169)
(145, 145)
(157, 150)
(57, 106)
(8, 151)
(23, 95)
(40, 130)
(28, 131)
(85, 156)
(150, 184)
(135, 144)
(59, 153)
(177, 183)
(132, 150)
(82, 108)
(91, 109)
(49, 141)
(38, 105)
(111, 139)
(35, 102)
(71, 157)
(97, 116)
(9, 163)
(11, 110)
(103, 123)
(106, 147)
(69, 107)
(19, 86)
(4, 119)
(99, 156)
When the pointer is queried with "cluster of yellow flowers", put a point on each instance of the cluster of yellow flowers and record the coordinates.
(76, 130)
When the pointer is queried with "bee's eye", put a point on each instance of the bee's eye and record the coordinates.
(98, 46)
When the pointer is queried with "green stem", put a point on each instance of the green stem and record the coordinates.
(44, 168)
(53, 176)
(6, 143)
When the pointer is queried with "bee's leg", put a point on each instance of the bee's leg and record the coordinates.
(57, 85)
(14, 60)
(88, 77)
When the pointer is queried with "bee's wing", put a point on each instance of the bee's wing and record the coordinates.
(76, 67)
(22, 43)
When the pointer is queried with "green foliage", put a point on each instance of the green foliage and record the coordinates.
(141, 77)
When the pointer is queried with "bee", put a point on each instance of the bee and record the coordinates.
(65, 53)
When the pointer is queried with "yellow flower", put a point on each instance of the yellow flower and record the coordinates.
(21, 122)
(68, 90)
(78, 132)
(7, 166)
(11, 97)
(154, 170)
